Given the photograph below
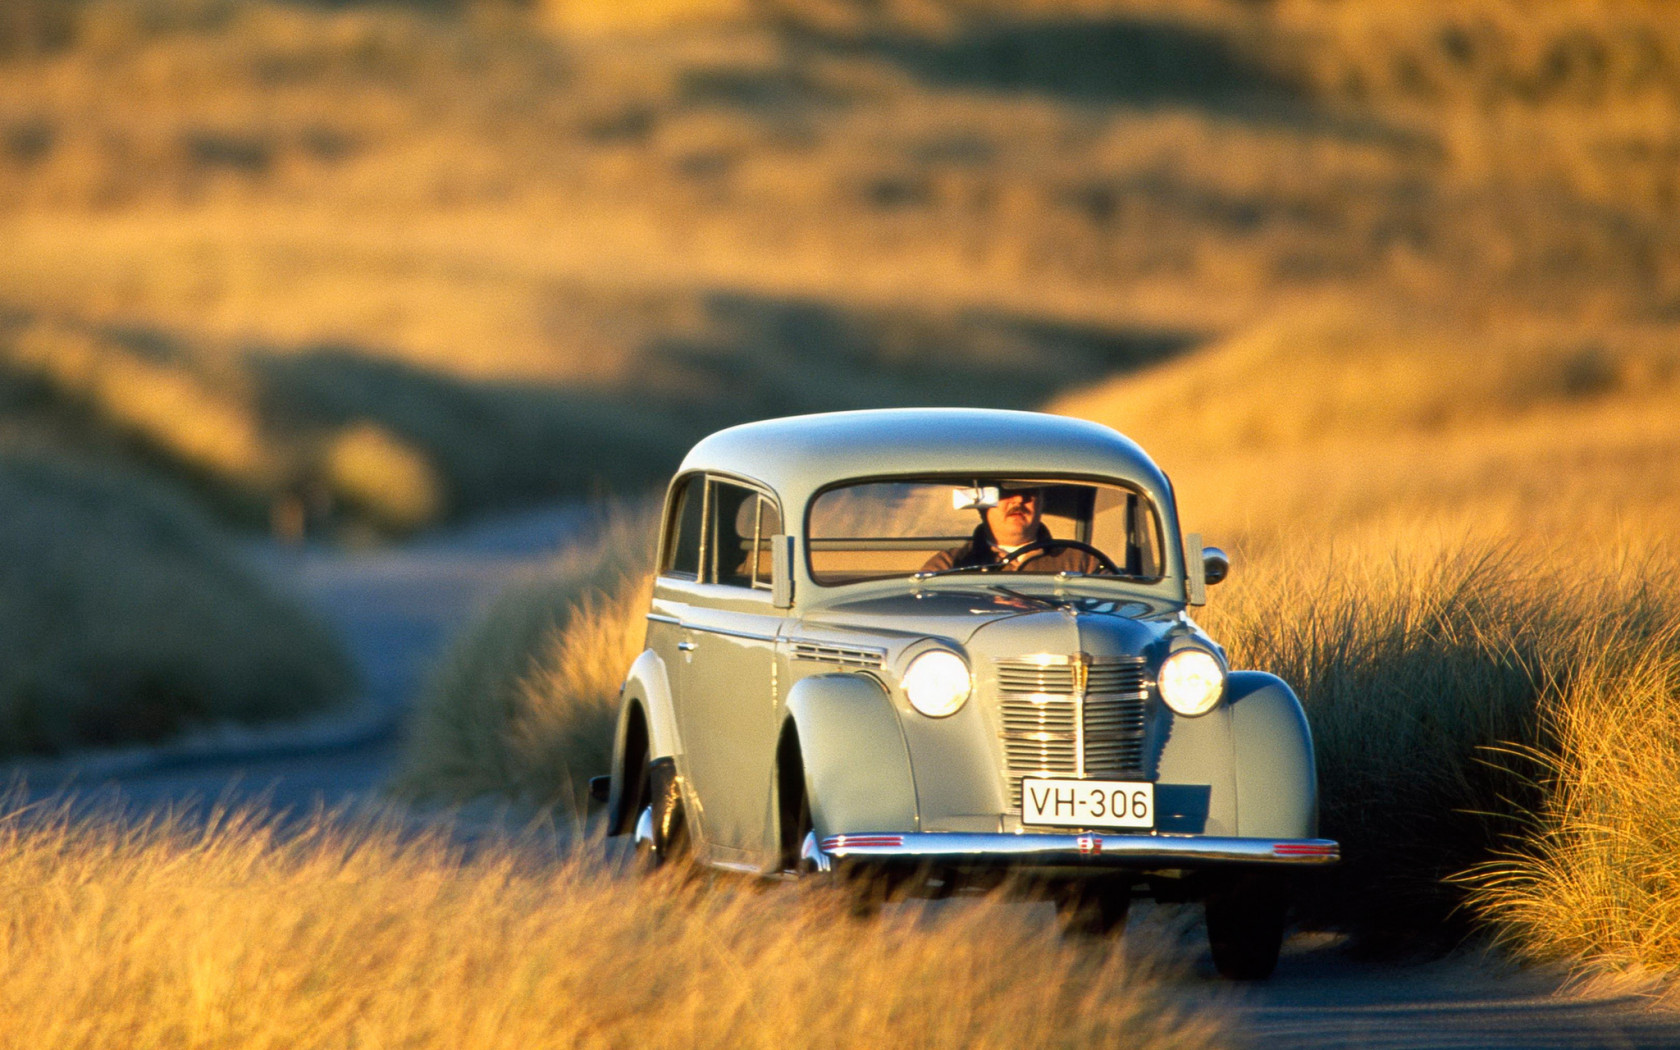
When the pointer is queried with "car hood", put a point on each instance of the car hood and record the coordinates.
(1008, 619)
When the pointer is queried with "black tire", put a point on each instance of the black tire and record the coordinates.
(802, 829)
(866, 890)
(1093, 909)
(661, 835)
(1245, 919)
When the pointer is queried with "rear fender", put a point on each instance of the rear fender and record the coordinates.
(646, 702)
(857, 767)
(1277, 778)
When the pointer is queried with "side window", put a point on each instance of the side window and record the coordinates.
(732, 534)
(1146, 539)
(682, 537)
(769, 524)
(1124, 525)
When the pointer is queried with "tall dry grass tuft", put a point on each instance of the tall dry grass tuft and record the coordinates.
(1408, 669)
(525, 700)
(1419, 674)
(562, 733)
(1594, 878)
(338, 934)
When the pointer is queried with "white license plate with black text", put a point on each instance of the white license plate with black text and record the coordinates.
(1087, 803)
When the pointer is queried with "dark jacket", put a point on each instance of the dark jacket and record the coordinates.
(982, 550)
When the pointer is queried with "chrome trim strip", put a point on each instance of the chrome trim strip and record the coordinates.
(751, 636)
(1064, 659)
(673, 621)
(1092, 848)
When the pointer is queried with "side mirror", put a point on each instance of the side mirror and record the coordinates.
(1215, 565)
(781, 571)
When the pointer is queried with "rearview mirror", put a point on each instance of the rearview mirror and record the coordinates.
(980, 497)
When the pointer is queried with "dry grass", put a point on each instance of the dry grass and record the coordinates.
(124, 617)
(1592, 880)
(526, 700)
(207, 422)
(1418, 674)
(649, 216)
(239, 934)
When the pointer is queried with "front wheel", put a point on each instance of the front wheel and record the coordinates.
(1092, 909)
(661, 834)
(1245, 926)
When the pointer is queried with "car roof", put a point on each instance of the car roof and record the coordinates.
(797, 455)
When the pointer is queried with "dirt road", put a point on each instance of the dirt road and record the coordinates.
(397, 608)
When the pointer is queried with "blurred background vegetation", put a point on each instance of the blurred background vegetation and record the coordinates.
(346, 266)
(1391, 290)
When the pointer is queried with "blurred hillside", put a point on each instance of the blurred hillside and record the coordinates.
(374, 265)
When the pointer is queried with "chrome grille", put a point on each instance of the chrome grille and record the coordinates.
(1053, 727)
(1035, 678)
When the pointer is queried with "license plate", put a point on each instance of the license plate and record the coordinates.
(1087, 803)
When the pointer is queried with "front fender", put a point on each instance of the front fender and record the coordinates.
(1277, 778)
(646, 696)
(857, 768)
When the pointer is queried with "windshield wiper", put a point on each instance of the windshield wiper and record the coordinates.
(1039, 599)
(988, 567)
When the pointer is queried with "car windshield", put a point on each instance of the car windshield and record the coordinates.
(881, 529)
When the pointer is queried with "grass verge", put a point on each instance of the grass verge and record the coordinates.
(1594, 878)
(240, 934)
(525, 701)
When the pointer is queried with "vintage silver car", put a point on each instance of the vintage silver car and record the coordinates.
(851, 671)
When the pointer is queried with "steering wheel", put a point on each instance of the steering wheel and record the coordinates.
(1044, 545)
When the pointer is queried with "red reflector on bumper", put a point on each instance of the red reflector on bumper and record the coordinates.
(1304, 849)
(855, 841)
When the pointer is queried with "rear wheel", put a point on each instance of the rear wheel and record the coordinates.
(1093, 909)
(1245, 926)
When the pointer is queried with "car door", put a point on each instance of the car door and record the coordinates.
(727, 711)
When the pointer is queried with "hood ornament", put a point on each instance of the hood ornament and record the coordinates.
(1081, 664)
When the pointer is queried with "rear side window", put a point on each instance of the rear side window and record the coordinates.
(734, 534)
(682, 529)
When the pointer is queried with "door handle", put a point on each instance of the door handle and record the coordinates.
(687, 647)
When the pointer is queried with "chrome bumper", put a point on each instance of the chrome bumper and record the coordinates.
(1033, 850)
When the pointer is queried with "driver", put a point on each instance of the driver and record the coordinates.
(1011, 524)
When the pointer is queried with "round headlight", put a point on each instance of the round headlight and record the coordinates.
(1192, 681)
(937, 683)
